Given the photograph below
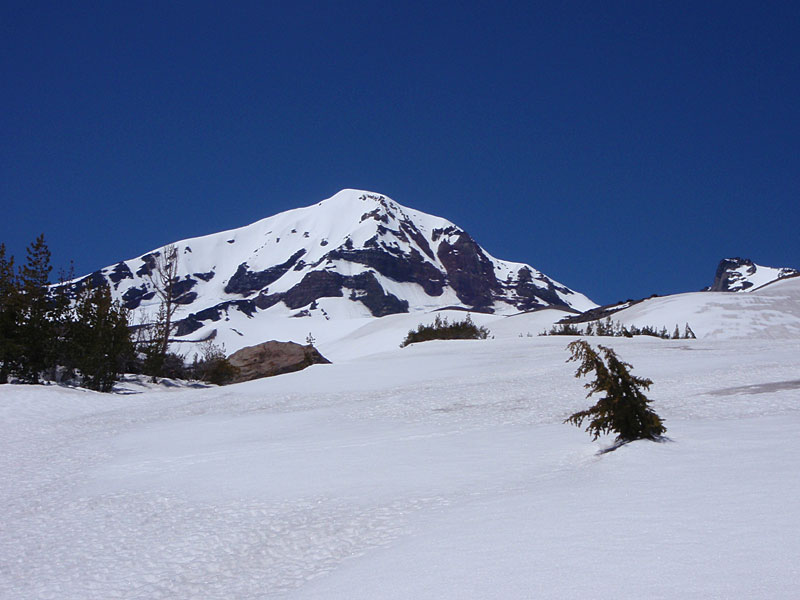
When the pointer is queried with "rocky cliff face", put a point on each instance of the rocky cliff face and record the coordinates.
(742, 275)
(355, 254)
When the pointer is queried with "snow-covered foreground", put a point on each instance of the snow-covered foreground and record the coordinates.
(441, 470)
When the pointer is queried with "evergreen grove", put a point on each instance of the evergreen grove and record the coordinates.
(609, 328)
(76, 333)
(443, 329)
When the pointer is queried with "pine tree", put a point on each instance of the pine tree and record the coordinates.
(623, 409)
(676, 334)
(150, 343)
(100, 337)
(36, 332)
(62, 319)
(214, 367)
(9, 317)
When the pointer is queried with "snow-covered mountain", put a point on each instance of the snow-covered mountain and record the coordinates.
(356, 254)
(743, 275)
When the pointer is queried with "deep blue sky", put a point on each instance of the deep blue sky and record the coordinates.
(622, 149)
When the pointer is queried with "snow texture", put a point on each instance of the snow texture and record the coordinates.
(441, 470)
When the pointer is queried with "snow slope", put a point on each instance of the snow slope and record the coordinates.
(441, 470)
(772, 311)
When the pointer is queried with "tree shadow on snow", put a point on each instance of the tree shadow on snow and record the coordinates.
(661, 439)
(758, 388)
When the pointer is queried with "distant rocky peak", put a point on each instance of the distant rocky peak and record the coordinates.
(742, 274)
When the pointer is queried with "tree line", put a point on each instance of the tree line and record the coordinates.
(75, 332)
(609, 328)
(46, 333)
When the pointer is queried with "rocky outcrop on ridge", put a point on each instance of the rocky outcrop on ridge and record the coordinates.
(742, 275)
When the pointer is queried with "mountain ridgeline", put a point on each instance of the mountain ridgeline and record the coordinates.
(355, 254)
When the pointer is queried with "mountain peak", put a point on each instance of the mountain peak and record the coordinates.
(350, 202)
(737, 274)
(364, 204)
(356, 254)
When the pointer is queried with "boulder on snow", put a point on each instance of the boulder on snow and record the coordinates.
(274, 358)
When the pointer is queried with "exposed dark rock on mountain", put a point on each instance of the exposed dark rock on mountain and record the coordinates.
(133, 296)
(395, 265)
(181, 287)
(148, 264)
(732, 271)
(246, 282)
(742, 274)
(121, 271)
(532, 295)
(469, 271)
(195, 321)
(204, 276)
(367, 289)
(601, 312)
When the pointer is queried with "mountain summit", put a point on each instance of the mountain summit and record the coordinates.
(743, 275)
(357, 253)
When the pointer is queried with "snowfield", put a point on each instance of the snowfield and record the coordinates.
(441, 470)
(770, 312)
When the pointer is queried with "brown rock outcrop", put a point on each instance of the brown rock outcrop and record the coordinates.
(274, 358)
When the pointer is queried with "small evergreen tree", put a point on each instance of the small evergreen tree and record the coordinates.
(563, 329)
(214, 366)
(100, 337)
(605, 328)
(623, 409)
(149, 342)
(9, 317)
(36, 332)
(174, 366)
(62, 320)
